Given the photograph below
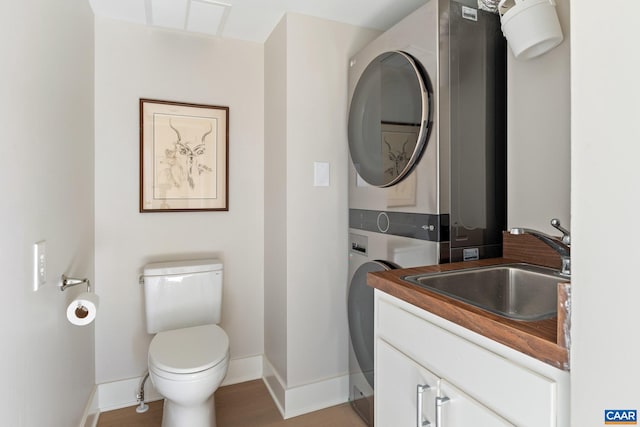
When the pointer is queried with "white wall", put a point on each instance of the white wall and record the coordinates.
(604, 201)
(318, 57)
(307, 60)
(538, 128)
(46, 182)
(275, 184)
(135, 62)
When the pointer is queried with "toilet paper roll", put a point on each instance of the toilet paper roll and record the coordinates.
(82, 310)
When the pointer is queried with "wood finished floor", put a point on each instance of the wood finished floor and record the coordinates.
(240, 405)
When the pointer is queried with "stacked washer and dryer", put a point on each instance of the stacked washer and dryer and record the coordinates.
(427, 142)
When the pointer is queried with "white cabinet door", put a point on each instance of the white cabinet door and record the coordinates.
(397, 381)
(440, 404)
(456, 409)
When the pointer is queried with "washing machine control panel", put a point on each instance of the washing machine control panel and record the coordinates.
(430, 227)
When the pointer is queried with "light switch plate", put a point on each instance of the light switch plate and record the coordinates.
(39, 264)
(321, 174)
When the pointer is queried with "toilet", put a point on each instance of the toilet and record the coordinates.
(189, 355)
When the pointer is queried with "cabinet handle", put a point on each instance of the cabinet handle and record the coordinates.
(439, 402)
(419, 392)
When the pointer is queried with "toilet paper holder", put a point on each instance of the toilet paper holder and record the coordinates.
(66, 282)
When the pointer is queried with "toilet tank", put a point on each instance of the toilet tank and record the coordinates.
(180, 294)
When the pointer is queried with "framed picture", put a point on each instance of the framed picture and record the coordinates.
(184, 157)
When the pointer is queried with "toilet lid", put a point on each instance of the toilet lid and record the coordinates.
(189, 350)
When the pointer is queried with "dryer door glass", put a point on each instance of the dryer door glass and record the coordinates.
(389, 118)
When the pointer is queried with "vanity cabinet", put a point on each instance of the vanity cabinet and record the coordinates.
(409, 392)
(432, 369)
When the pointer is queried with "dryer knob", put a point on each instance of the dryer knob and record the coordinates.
(383, 222)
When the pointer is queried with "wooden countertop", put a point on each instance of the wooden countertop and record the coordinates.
(539, 339)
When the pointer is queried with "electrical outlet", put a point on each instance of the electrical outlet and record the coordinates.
(39, 264)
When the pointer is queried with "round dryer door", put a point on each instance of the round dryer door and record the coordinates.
(360, 306)
(389, 118)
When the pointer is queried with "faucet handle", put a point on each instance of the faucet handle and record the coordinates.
(566, 235)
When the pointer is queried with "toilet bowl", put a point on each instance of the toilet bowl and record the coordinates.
(186, 366)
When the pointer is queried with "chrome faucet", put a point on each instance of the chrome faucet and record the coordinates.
(566, 236)
(562, 247)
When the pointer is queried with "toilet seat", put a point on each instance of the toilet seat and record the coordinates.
(189, 350)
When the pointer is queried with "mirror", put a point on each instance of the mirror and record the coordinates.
(389, 118)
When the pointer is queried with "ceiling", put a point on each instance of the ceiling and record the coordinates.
(251, 20)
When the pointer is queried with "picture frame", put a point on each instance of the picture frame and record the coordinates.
(184, 157)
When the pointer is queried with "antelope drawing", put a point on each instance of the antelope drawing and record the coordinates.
(398, 158)
(184, 160)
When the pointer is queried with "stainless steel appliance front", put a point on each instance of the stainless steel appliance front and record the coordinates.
(429, 141)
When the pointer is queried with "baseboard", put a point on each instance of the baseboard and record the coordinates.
(91, 412)
(306, 398)
(291, 402)
(275, 385)
(243, 369)
(319, 395)
(122, 393)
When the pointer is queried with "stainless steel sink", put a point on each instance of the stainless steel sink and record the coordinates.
(515, 291)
